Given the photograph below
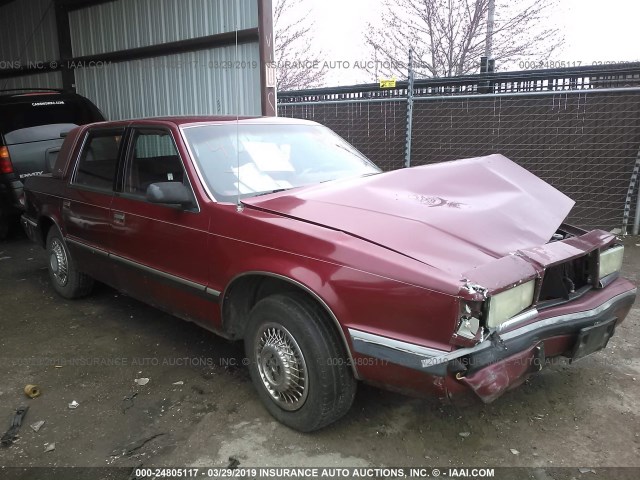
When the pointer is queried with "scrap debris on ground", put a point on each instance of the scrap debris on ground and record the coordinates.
(11, 434)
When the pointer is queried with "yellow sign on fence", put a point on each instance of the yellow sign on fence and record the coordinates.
(388, 83)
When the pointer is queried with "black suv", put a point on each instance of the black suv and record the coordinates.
(31, 124)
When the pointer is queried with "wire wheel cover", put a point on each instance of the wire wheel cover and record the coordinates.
(58, 262)
(282, 366)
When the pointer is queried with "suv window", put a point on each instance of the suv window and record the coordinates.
(154, 159)
(99, 159)
(17, 116)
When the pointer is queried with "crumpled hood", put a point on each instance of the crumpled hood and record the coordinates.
(453, 216)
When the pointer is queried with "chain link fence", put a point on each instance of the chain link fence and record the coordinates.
(578, 129)
(377, 129)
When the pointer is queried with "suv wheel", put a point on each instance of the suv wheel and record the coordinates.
(65, 277)
(297, 362)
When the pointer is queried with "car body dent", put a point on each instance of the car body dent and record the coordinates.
(553, 253)
(495, 379)
(526, 264)
(494, 194)
(498, 359)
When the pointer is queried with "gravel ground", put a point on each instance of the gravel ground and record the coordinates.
(198, 407)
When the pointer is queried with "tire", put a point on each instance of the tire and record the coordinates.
(68, 282)
(289, 332)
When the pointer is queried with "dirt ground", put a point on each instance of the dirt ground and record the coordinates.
(91, 351)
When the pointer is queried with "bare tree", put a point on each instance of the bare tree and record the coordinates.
(448, 36)
(298, 64)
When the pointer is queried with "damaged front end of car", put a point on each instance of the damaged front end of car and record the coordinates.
(561, 299)
(564, 298)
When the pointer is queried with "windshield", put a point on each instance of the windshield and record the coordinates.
(256, 159)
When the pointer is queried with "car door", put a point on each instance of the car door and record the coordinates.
(159, 251)
(86, 208)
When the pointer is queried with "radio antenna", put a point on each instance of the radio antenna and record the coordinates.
(237, 63)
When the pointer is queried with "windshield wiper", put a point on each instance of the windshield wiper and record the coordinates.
(269, 192)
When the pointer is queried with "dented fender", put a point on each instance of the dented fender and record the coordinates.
(526, 264)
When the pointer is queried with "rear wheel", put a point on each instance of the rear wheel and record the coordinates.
(65, 277)
(297, 362)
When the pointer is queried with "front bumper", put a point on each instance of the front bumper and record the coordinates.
(504, 361)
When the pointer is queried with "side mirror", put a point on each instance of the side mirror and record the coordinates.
(171, 193)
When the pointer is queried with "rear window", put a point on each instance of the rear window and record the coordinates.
(44, 112)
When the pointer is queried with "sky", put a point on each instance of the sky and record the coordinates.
(595, 31)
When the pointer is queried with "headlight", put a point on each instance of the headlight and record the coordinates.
(468, 327)
(610, 261)
(506, 304)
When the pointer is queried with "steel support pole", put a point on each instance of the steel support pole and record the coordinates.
(407, 145)
(491, 12)
(636, 219)
(632, 187)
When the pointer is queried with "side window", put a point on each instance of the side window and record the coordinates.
(99, 160)
(154, 159)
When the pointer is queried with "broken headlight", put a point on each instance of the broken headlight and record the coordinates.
(610, 261)
(468, 331)
(509, 303)
(468, 327)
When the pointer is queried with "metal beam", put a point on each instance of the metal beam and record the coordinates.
(71, 5)
(631, 68)
(201, 43)
(193, 44)
(477, 96)
(267, 65)
(65, 51)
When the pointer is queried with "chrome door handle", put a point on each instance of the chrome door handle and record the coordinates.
(66, 204)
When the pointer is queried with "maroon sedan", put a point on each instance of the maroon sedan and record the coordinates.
(446, 278)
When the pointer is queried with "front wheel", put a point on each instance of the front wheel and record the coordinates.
(67, 280)
(297, 362)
